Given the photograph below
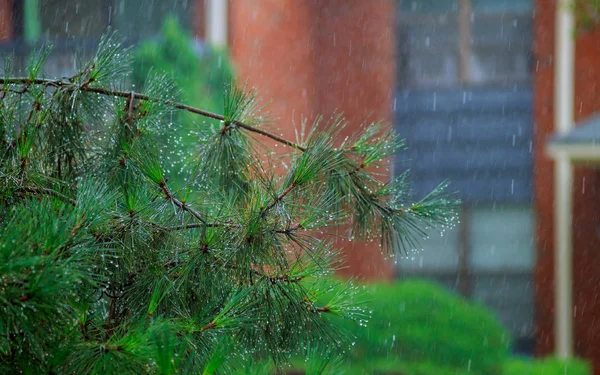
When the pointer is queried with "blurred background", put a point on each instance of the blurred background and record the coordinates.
(488, 95)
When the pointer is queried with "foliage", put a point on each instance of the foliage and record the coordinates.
(31, 21)
(548, 366)
(200, 75)
(587, 13)
(417, 328)
(108, 267)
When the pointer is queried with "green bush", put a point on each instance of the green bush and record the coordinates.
(417, 327)
(200, 78)
(550, 366)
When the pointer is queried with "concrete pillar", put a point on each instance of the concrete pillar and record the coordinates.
(563, 171)
(216, 22)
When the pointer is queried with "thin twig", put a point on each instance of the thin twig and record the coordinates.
(135, 95)
(358, 167)
(285, 279)
(50, 192)
(210, 325)
(195, 225)
(280, 197)
(289, 230)
(129, 109)
(208, 225)
(180, 204)
(277, 279)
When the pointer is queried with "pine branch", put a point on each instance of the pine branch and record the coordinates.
(180, 204)
(50, 192)
(196, 226)
(290, 230)
(142, 277)
(215, 225)
(131, 94)
(279, 198)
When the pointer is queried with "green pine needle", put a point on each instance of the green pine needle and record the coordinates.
(123, 250)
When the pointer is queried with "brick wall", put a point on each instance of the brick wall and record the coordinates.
(199, 18)
(315, 57)
(586, 219)
(6, 26)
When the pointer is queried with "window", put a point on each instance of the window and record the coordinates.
(489, 257)
(60, 20)
(139, 19)
(457, 42)
(464, 107)
(75, 26)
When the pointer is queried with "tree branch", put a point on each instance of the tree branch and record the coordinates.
(210, 325)
(180, 204)
(50, 192)
(279, 198)
(290, 230)
(195, 225)
(135, 95)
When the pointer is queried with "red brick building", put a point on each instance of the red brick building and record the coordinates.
(585, 193)
(311, 58)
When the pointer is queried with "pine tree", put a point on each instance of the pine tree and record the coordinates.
(109, 267)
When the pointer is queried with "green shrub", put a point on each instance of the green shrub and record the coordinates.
(417, 327)
(200, 78)
(550, 366)
(392, 366)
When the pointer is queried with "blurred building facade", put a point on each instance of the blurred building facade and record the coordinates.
(464, 105)
(584, 195)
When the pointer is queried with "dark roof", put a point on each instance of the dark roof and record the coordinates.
(585, 133)
(479, 139)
